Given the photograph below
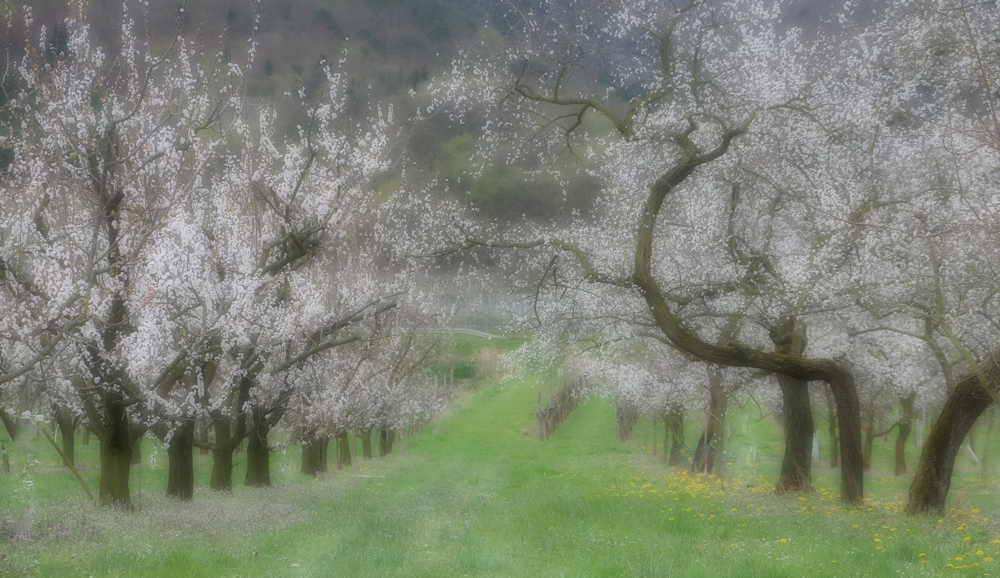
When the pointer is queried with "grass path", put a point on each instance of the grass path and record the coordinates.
(476, 495)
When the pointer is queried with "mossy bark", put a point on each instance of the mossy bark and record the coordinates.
(366, 443)
(259, 456)
(831, 429)
(796, 465)
(709, 456)
(222, 457)
(905, 427)
(720, 405)
(869, 435)
(932, 479)
(386, 437)
(789, 338)
(180, 462)
(10, 423)
(67, 430)
(674, 426)
(344, 443)
(307, 464)
(314, 456)
(116, 456)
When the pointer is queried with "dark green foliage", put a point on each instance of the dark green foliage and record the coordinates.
(431, 19)
(372, 45)
(417, 76)
(328, 20)
(59, 44)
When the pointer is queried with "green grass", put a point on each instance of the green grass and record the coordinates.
(474, 494)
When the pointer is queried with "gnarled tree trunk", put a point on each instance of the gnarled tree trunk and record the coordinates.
(789, 337)
(386, 437)
(314, 455)
(831, 429)
(840, 380)
(310, 456)
(966, 403)
(116, 455)
(259, 456)
(674, 426)
(9, 422)
(222, 457)
(796, 466)
(709, 456)
(66, 422)
(905, 427)
(366, 443)
(180, 462)
(344, 441)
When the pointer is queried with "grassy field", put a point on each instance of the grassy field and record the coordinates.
(474, 494)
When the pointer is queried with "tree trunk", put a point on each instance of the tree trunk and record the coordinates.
(67, 429)
(869, 435)
(701, 461)
(180, 462)
(986, 446)
(905, 427)
(344, 440)
(653, 428)
(719, 405)
(366, 443)
(832, 428)
(259, 456)
(929, 488)
(796, 466)
(9, 422)
(222, 469)
(68, 446)
(310, 458)
(675, 426)
(709, 455)
(386, 436)
(116, 457)
(222, 457)
(203, 440)
(322, 449)
(115, 453)
(852, 480)
(789, 337)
